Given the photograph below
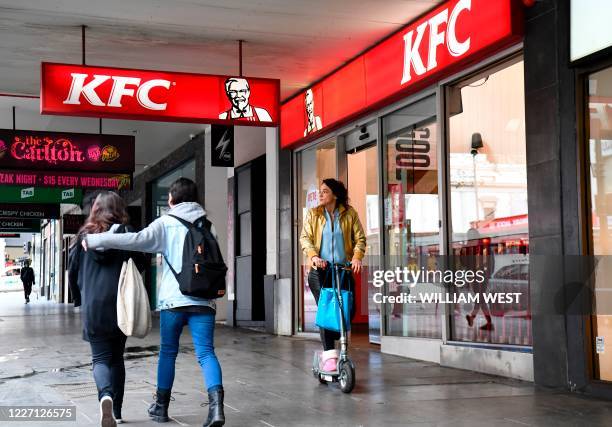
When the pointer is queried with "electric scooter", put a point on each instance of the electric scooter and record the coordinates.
(345, 369)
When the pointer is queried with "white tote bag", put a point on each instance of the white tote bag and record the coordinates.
(133, 311)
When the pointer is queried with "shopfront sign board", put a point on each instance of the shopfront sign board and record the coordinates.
(19, 225)
(34, 150)
(17, 194)
(104, 181)
(118, 93)
(450, 37)
(29, 210)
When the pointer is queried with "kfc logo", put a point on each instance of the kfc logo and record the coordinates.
(122, 86)
(81, 90)
(314, 122)
(238, 92)
(412, 42)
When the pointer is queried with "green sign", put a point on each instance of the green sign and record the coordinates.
(15, 194)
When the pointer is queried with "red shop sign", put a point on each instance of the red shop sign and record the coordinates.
(21, 149)
(441, 42)
(105, 181)
(78, 90)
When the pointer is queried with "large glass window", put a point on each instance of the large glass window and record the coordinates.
(315, 164)
(600, 173)
(411, 221)
(160, 187)
(488, 201)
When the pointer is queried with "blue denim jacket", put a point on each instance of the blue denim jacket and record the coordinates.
(165, 235)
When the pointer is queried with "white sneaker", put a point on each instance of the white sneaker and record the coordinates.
(107, 419)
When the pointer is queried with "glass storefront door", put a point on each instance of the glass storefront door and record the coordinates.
(314, 165)
(320, 162)
(600, 179)
(362, 184)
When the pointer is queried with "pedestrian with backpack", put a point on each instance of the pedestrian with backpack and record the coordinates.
(193, 275)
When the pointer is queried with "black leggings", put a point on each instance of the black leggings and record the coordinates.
(317, 279)
(108, 368)
(27, 289)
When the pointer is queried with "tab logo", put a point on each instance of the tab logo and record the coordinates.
(27, 192)
(68, 194)
(120, 89)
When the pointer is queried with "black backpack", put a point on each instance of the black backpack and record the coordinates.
(203, 271)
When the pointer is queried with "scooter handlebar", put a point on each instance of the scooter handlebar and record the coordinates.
(343, 266)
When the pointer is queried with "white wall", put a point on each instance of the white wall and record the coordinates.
(272, 200)
(215, 179)
(590, 27)
(249, 143)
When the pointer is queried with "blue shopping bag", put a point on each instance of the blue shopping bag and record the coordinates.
(328, 313)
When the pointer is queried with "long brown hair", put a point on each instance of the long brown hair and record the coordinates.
(107, 209)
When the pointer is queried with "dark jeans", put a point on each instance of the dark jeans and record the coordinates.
(108, 368)
(202, 328)
(27, 289)
(321, 278)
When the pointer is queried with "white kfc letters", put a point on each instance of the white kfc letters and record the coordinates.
(437, 37)
(119, 90)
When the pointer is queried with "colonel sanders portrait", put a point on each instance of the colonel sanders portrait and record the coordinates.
(314, 122)
(238, 92)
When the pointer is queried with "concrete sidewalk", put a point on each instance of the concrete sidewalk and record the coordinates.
(268, 382)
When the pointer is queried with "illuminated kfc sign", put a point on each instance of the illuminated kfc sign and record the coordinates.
(81, 90)
(443, 41)
(21, 149)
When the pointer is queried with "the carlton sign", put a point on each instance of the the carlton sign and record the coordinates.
(65, 160)
(119, 93)
(24, 149)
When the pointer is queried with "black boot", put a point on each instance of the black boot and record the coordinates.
(216, 416)
(159, 410)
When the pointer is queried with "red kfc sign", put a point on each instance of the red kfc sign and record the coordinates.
(449, 37)
(118, 93)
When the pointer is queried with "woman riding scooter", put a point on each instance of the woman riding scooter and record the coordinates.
(332, 233)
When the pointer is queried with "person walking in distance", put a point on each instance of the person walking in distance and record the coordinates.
(166, 235)
(27, 278)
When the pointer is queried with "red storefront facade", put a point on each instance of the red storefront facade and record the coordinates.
(427, 129)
